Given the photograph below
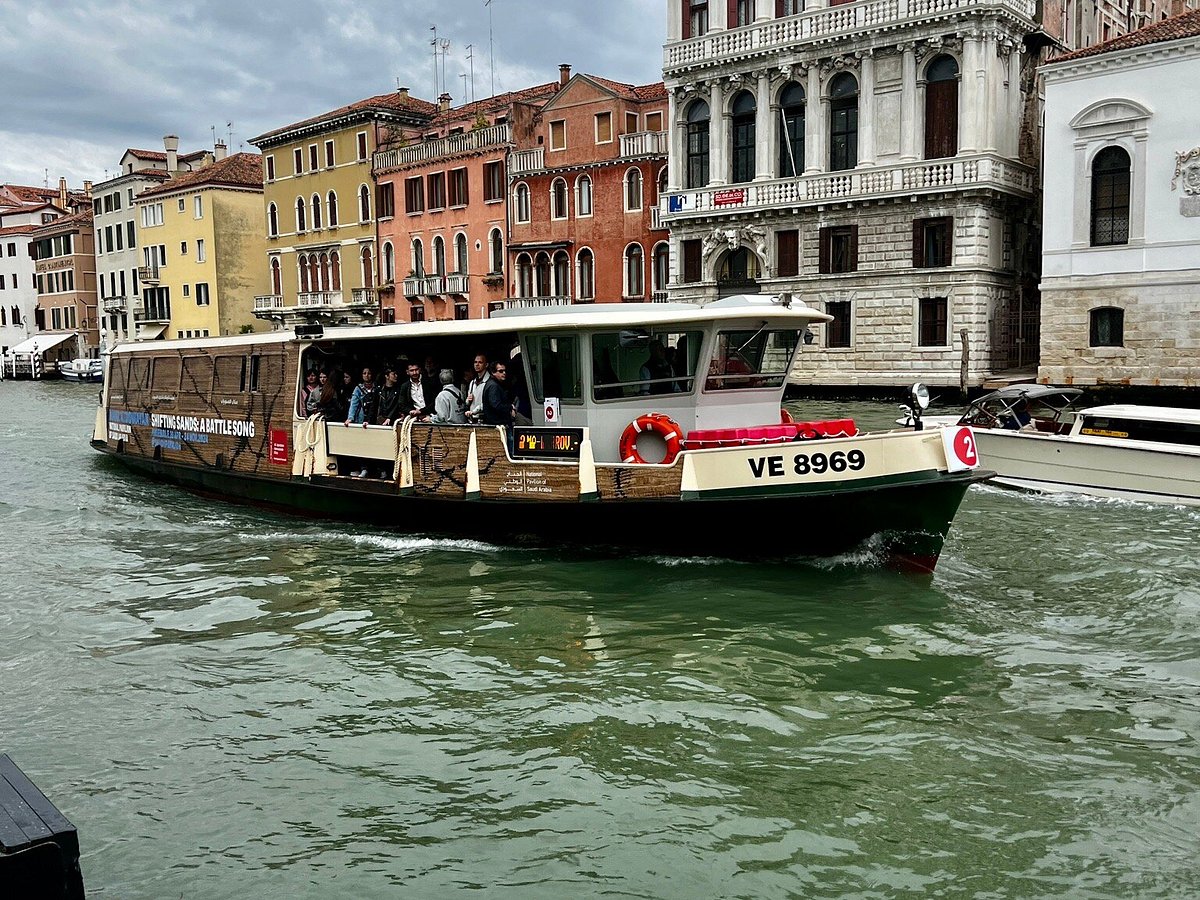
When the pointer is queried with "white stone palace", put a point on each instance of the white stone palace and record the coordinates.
(1121, 264)
(875, 159)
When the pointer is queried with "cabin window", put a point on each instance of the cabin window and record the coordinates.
(1142, 430)
(644, 361)
(197, 375)
(229, 375)
(255, 366)
(554, 367)
(166, 374)
(751, 359)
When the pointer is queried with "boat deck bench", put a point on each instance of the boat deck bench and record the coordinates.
(39, 848)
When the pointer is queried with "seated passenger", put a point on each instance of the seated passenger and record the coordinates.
(448, 405)
(1020, 418)
(656, 373)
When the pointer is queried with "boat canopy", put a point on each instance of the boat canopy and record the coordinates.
(1028, 391)
(41, 342)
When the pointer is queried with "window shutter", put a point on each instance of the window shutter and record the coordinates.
(949, 220)
(686, 31)
(779, 10)
(691, 261)
(731, 12)
(787, 253)
(918, 257)
(824, 265)
(853, 248)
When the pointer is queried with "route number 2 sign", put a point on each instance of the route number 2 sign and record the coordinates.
(961, 450)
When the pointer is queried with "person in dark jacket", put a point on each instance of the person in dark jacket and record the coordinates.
(389, 398)
(417, 395)
(497, 403)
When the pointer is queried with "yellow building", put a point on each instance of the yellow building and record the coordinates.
(202, 245)
(322, 208)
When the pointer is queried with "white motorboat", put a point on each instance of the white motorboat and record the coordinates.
(1035, 437)
(83, 369)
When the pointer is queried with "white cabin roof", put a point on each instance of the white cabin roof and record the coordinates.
(580, 317)
(1174, 414)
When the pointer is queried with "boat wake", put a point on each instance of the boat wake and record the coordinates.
(402, 544)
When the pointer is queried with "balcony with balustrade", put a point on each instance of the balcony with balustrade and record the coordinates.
(114, 305)
(531, 302)
(155, 314)
(148, 274)
(792, 34)
(453, 145)
(982, 171)
(363, 297)
(329, 306)
(645, 143)
(522, 162)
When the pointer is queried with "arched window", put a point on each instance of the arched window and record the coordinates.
(302, 272)
(941, 108)
(697, 144)
(541, 275)
(324, 282)
(368, 270)
(276, 277)
(300, 229)
(273, 220)
(843, 122)
(586, 264)
(460, 254)
(1110, 197)
(389, 262)
(332, 209)
(661, 266)
(524, 276)
(314, 273)
(418, 258)
(662, 185)
(316, 212)
(583, 196)
(439, 256)
(364, 204)
(558, 198)
(791, 134)
(496, 240)
(634, 286)
(633, 190)
(562, 274)
(742, 125)
(335, 275)
(1106, 327)
(521, 201)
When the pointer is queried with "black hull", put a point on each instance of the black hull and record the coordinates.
(905, 523)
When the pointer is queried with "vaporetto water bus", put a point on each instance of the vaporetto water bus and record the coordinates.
(657, 427)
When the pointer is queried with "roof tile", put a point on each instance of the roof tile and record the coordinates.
(1184, 25)
(239, 170)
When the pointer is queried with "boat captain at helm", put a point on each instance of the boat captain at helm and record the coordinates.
(1020, 418)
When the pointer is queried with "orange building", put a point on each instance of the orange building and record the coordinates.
(584, 192)
(444, 208)
(65, 271)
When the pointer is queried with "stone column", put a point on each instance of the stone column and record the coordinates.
(816, 114)
(677, 152)
(989, 74)
(970, 101)
(718, 135)
(866, 109)
(908, 105)
(766, 122)
(1016, 105)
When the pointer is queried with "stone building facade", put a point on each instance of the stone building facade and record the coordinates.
(1121, 259)
(871, 159)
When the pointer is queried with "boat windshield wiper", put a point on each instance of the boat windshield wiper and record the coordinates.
(750, 339)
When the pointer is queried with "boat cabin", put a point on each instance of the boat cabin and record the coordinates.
(597, 368)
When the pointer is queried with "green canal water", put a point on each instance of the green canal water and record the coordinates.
(229, 703)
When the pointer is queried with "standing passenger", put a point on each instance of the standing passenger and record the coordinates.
(364, 401)
(448, 407)
(475, 388)
(389, 398)
(497, 403)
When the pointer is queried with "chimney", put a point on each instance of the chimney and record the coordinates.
(444, 102)
(564, 74)
(219, 151)
(62, 193)
(87, 188)
(402, 91)
(171, 145)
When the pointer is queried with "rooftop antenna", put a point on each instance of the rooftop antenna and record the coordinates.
(471, 60)
(491, 50)
(463, 76)
(46, 178)
(445, 45)
(229, 125)
(436, 87)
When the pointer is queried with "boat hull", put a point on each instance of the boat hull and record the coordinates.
(1064, 464)
(902, 523)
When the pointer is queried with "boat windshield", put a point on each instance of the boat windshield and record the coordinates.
(644, 361)
(1034, 410)
(751, 359)
(554, 366)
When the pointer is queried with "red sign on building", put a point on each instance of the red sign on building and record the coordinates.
(731, 197)
(279, 446)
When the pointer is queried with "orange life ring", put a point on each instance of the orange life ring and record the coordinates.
(662, 425)
(785, 417)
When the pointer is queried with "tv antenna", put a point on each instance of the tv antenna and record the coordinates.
(491, 49)
(434, 44)
(471, 60)
(445, 45)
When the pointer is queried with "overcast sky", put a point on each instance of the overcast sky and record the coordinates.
(82, 80)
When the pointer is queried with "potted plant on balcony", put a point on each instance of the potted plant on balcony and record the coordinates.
(493, 279)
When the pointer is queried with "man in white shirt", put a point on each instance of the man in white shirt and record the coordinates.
(415, 399)
(475, 388)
